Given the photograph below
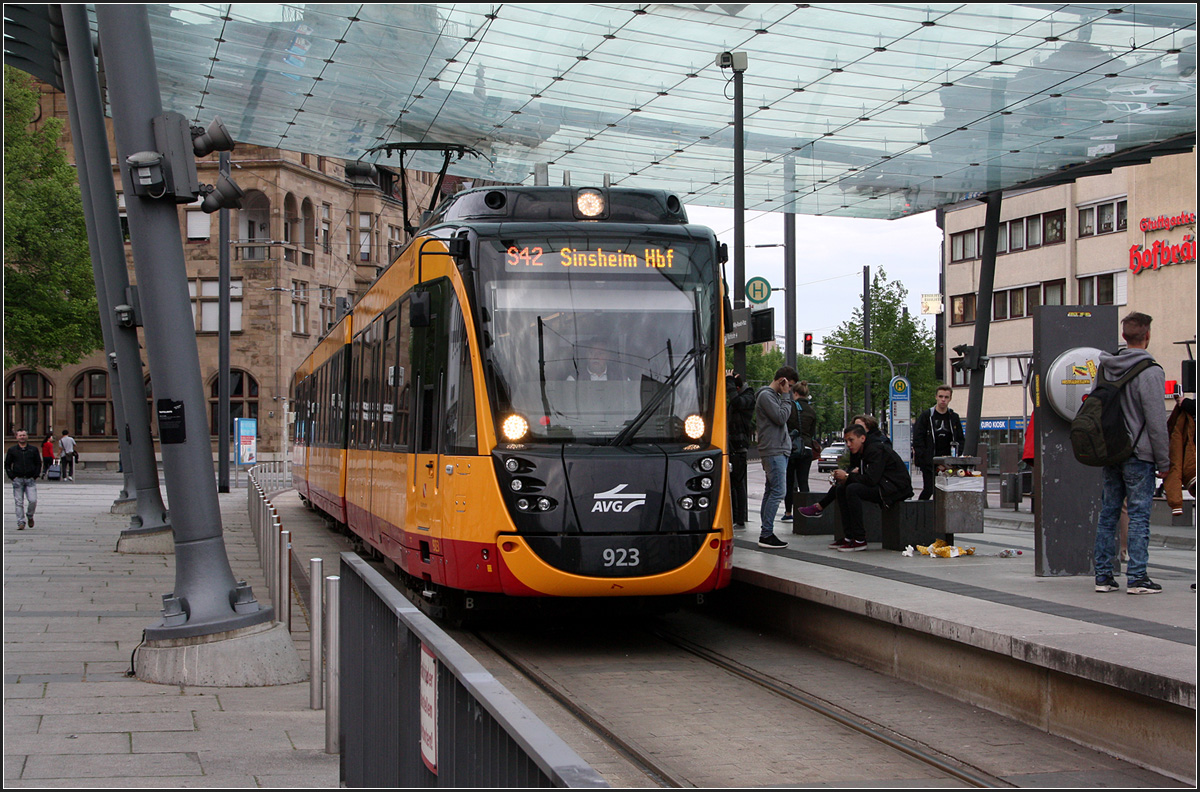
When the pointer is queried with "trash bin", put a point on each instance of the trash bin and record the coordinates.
(958, 501)
(1010, 489)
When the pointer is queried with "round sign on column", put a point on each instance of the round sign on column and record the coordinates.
(758, 290)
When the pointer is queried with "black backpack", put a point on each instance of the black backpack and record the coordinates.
(1099, 437)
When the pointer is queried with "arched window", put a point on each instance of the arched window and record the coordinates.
(28, 404)
(91, 405)
(243, 400)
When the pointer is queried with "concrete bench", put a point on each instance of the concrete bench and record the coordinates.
(903, 524)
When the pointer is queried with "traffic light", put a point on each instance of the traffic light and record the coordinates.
(808, 343)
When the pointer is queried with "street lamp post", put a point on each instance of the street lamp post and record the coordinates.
(845, 410)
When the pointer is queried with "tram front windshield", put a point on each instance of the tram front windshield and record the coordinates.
(601, 341)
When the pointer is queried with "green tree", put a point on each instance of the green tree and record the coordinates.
(51, 318)
(893, 334)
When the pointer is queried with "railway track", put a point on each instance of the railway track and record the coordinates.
(668, 665)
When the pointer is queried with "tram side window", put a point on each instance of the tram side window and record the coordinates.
(372, 377)
(357, 392)
(387, 383)
(403, 385)
(459, 430)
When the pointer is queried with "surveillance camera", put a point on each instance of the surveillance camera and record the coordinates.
(732, 60)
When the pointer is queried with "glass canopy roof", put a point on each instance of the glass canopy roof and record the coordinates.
(874, 110)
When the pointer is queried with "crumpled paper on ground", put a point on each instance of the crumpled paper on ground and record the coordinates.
(940, 549)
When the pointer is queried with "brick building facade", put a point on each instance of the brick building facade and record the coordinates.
(313, 232)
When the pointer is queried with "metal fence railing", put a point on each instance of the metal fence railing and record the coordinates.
(273, 541)
(418, 711)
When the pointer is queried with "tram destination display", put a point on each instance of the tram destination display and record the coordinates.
(635, 257)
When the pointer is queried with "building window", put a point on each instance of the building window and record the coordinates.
(28, 405)
(243, 400)
(1016, 303)
(326, 228)
(199, 225)
(962, 309)
(1054, 292)
(1054, 227)
(364, 236)
(958, 376)
(327, 308)
(206, 304)
(963, 246)
(1104, 218)
(1105, 289)
(91, 404)
(300, 307)
(1033, 231)
(1000, 305)
(1016, 235)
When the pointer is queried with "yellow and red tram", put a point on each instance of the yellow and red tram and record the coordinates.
(530, 400)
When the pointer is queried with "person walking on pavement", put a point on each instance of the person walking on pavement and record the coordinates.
(741, 433)
(934, 432)
(772, 406)
(47, 453)
(67, 461)
(1132, 482)
(23, 465)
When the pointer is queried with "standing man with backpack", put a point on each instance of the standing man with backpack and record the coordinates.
(1132, 481)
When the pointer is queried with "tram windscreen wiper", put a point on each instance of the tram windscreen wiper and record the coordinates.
(668, 386)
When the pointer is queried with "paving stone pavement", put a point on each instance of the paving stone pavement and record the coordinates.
(74, 610)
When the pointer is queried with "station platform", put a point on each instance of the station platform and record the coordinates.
(74, 611)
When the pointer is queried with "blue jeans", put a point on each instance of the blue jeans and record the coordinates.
(776, 469)
(1131, 483)
(24, 489)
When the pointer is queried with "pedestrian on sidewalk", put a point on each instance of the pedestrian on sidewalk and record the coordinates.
(1132, 482)
(802, 428)
(67, 460)
(1182, 429)
(23, 465)
(936, 432)
(47, 453)
(772, 406)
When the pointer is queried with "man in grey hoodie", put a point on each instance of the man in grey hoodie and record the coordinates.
(1133, 481)
(772, 408)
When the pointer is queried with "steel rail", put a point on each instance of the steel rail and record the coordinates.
(781, 689)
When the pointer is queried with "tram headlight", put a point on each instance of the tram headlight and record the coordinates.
(514, 428)
(693, 427)
(512, 465)
(590, 203)
(707, 464)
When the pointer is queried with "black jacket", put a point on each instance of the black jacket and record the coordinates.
(741, 420)
(23, 462)
(881, 468)
(924, 449)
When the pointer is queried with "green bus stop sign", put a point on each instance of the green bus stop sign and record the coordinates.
(758, 290)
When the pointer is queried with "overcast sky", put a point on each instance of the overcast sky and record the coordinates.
(832, 252)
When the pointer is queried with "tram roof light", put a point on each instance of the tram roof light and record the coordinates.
(590, 203)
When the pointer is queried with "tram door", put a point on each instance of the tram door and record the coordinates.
(427, 476)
